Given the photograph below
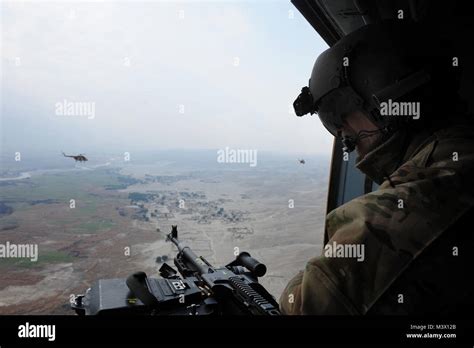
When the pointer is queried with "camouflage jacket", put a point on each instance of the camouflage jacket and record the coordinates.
(410, 259)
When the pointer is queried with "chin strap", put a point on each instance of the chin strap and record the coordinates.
(349, 143)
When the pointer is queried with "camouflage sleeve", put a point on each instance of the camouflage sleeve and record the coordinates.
(312, 292)
(290, 299)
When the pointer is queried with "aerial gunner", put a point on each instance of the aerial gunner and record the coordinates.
(417, 253)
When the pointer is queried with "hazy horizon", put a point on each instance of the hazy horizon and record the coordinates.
(156, 75)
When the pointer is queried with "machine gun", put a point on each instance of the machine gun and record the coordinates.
(198, 289)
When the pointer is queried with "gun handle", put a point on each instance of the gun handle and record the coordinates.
(137, 283)
(254, 266)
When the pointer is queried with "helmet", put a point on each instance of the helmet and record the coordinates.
(370, 66)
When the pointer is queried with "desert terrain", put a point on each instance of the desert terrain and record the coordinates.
(275, 211)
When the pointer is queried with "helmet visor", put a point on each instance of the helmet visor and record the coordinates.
(333, 107)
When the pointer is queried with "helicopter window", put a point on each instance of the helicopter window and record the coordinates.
(351, 184)
(152, 114)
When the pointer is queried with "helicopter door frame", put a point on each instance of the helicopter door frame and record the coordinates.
(346, 182)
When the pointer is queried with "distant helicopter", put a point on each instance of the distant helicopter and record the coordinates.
(80, 157)
(302, 161)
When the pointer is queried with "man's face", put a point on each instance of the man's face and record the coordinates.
(354, 123)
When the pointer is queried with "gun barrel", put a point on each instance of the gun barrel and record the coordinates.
(176, 242)
(190, 256)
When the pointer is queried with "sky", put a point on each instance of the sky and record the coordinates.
(156, 75)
